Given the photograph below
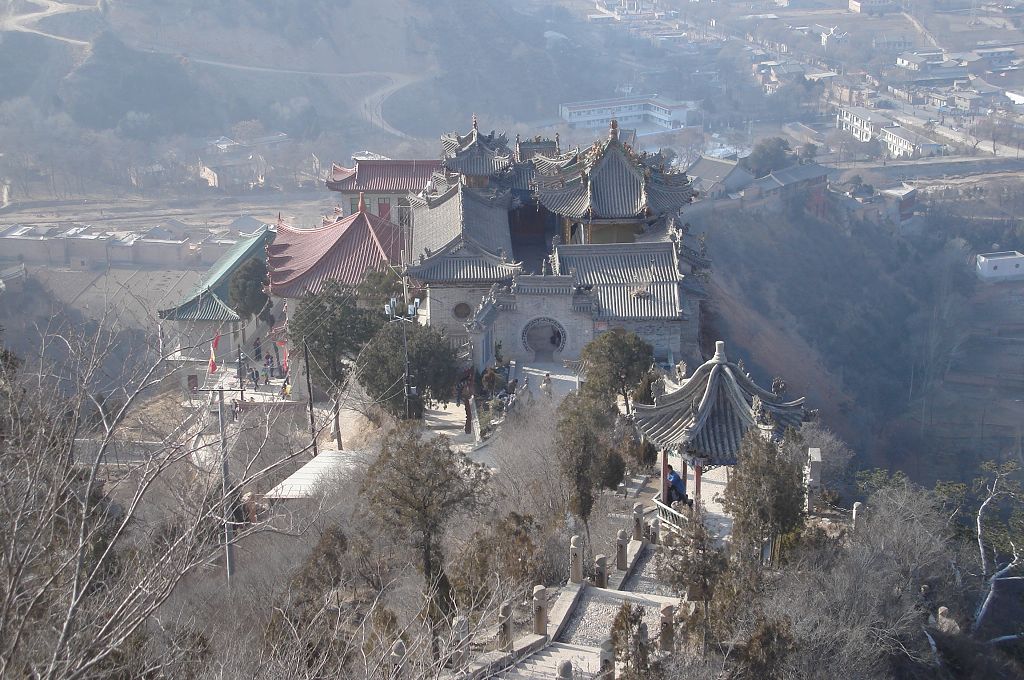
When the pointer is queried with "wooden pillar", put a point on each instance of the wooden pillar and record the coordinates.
(696, 482)
(683, 475)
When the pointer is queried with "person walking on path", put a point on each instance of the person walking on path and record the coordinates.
(545, 385)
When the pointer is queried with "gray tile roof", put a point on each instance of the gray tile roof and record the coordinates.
(464, 263)
(551, 165)
(609, 181)
(476, 153)
(461, 213)
(708, 416)
(630, 280)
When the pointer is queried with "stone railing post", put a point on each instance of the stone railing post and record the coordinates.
(397, 658)
(540, 610)
(858, 510)
(668, 629)
(638, 522)
(460, 629)
(812, 478)
(505, 627)
(601, 571)
(575, 561)
(621, 545)
(564, 670)
(655, 531)
(606, 665)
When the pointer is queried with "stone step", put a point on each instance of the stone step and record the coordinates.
(544, 663)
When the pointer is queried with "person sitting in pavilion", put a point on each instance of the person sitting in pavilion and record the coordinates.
(676, 487)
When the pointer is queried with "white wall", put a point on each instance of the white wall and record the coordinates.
(991, 268)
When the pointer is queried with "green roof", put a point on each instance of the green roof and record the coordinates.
(206, 306)
(206, 301)
(218, 277)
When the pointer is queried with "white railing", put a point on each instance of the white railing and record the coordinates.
(670, 518)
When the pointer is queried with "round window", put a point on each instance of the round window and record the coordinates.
(462, 311)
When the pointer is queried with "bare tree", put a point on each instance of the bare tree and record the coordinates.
(92, 550)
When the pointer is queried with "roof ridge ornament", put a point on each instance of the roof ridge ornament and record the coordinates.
(474, 122)
(720, 357)
(362, 202)
(613, 130)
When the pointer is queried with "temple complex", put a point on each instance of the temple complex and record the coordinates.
(705, 419)
(530, 251)
(525, 249)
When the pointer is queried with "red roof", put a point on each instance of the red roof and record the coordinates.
(301, 261)
(385, 177)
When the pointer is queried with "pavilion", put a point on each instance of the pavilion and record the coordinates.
(705, 420)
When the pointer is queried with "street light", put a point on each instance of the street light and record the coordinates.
(392, 310)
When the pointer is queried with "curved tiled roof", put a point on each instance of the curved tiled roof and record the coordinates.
(461, 213)
(476, 153)
(465, 263)
(708, 416)
(205, 302)
(383, 176)
(301, 261)
(630, 280)
(205, 306)
(609, 181)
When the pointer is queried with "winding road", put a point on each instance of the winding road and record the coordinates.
(24, 23)
(370, 106)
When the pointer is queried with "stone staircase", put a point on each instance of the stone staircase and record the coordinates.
(544, 663)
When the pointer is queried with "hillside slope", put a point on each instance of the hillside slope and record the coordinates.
(832, 309)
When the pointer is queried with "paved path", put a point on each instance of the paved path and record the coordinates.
(712, 490)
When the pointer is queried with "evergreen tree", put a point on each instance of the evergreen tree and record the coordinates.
(616, 362)
(768, 155)
(582, 438)
(764, 495)
(378, 287)
(334, 329)
(432, 367)
(632, 643)
(245, 290)
(417, 487)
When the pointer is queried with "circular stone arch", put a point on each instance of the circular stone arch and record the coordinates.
(538, 334)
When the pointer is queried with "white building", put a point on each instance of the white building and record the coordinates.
(661, 111)
(862, 123)
(905, 144)
(1002, 266)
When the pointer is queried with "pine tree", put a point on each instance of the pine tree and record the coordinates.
(334, 330)
(245, 290)
(764, 495)
(616, 362)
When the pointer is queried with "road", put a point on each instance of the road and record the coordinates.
(370, 106)
(24, 23)
(132, 212)
(933, 168)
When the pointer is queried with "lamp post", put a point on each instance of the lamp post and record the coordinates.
(408, 314)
